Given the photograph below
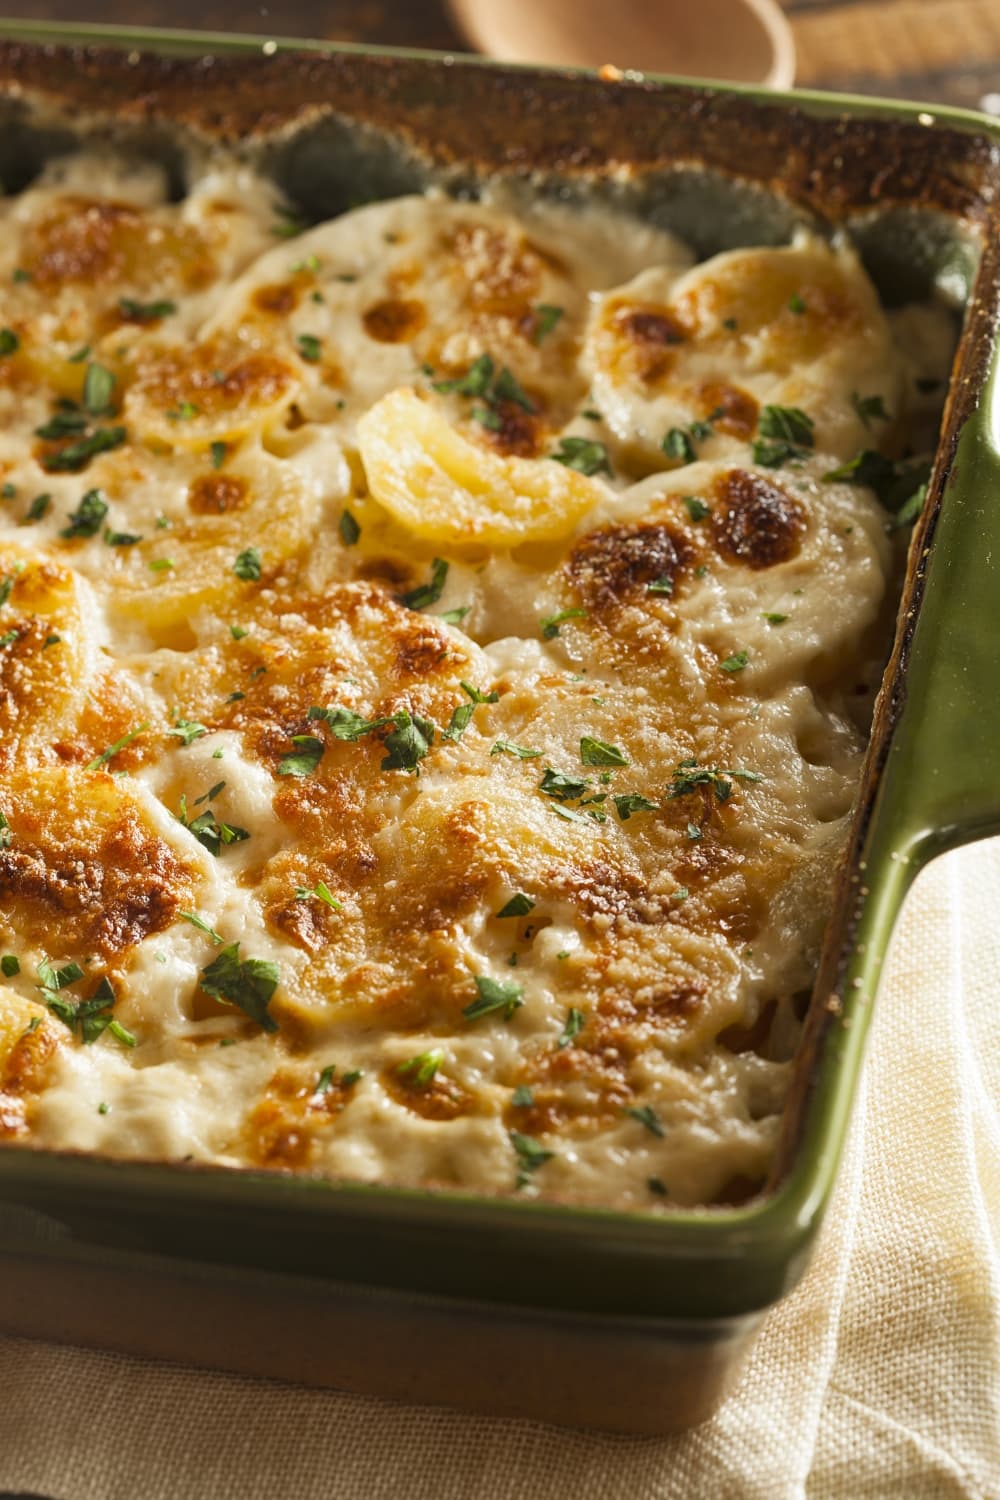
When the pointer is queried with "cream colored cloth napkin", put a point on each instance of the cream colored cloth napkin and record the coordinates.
(878, 1379)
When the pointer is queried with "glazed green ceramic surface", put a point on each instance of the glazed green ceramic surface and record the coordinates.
(938, 788)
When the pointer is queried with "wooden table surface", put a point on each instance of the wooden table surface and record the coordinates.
(946, 51)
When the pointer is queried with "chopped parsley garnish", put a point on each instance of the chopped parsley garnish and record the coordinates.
(120, 538)
(20, 274)
(696, 508)
(519, 905)
(80, 355)
(211, 794)
(681, 893)
(98, 389)
(310, 263)
(734, 663)
(648, 1117)
(210, 831)
(325, 1080)
(187, 730)
(304, 759)
(9, 342)
(586, 455)
(796, 304)
(349, 529)
(773, 617)
(549, 626)
(420, 1070)
(6, 588)
(161, 564)
(627, 803)
(694, 833)
(869, 408)
(562, 788)
(522, 1097)
(36, 509)
(462, 715)
(310, 348)
(345, 724)
(677, 444)
(319, 892)
(247, 983)
(408, 743)
(546, 318)
(688, 776)
(184, 411)
(238, 632)
(247, 565)
(62, 424)
(10, 965)
(427, 593)
(89, 1019)
(574, 1025)
(86, 519)
(8, 491)
(112, 750)
(530, 1155)
(7, 639)
(455, 616)
(6, 832)
(663, 586)
(202, 926)
(785, 433)
(600, 753)
(76, 456)
(657, 1186)
(145, 312)
(475, 381)
(507, 747)
(217, 453)
(352, 1077)
(494, 994)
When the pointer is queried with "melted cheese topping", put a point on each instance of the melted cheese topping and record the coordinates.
(382, 798)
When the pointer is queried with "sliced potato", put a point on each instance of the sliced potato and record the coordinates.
(443, 488)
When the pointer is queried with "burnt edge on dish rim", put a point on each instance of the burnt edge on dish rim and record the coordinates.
(464, 122)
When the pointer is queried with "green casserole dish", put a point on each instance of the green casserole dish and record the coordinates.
(628, 1321)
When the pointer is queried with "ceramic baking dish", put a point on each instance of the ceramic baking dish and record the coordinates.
(633, 1321)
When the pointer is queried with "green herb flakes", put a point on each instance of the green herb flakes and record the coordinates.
(695, 507)
(325, 1080)
(350, 531)
(773, 617)
(420, 1070)
(648, 1117)
(735, 663)
(678, 445)
(530, 1156)
(112, 750)
(519, 905)
(408, 743)
(120, 538)
(586, 455)
(305, 758)
(98, 389)
(76, 456)
(869, 408)
(796, 304)
(427, 593)
(86, 520)
(248, 565)
(549, 626)
(187, 730)
(36, 510)
(145, 312)
(310, 348)
(600, 753)
(247, 983)
(10, 965)
(494, 995)
(628, 803)
(507, 747)
(575, 1020)
(193, 918)
(217, 453)
(319, 892)
(546, 318)
(9, 342)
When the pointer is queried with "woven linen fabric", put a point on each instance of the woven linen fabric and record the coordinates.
(878, 1378)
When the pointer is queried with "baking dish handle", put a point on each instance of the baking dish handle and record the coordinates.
(940, 784)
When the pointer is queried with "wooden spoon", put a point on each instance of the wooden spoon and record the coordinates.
(740, 41)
